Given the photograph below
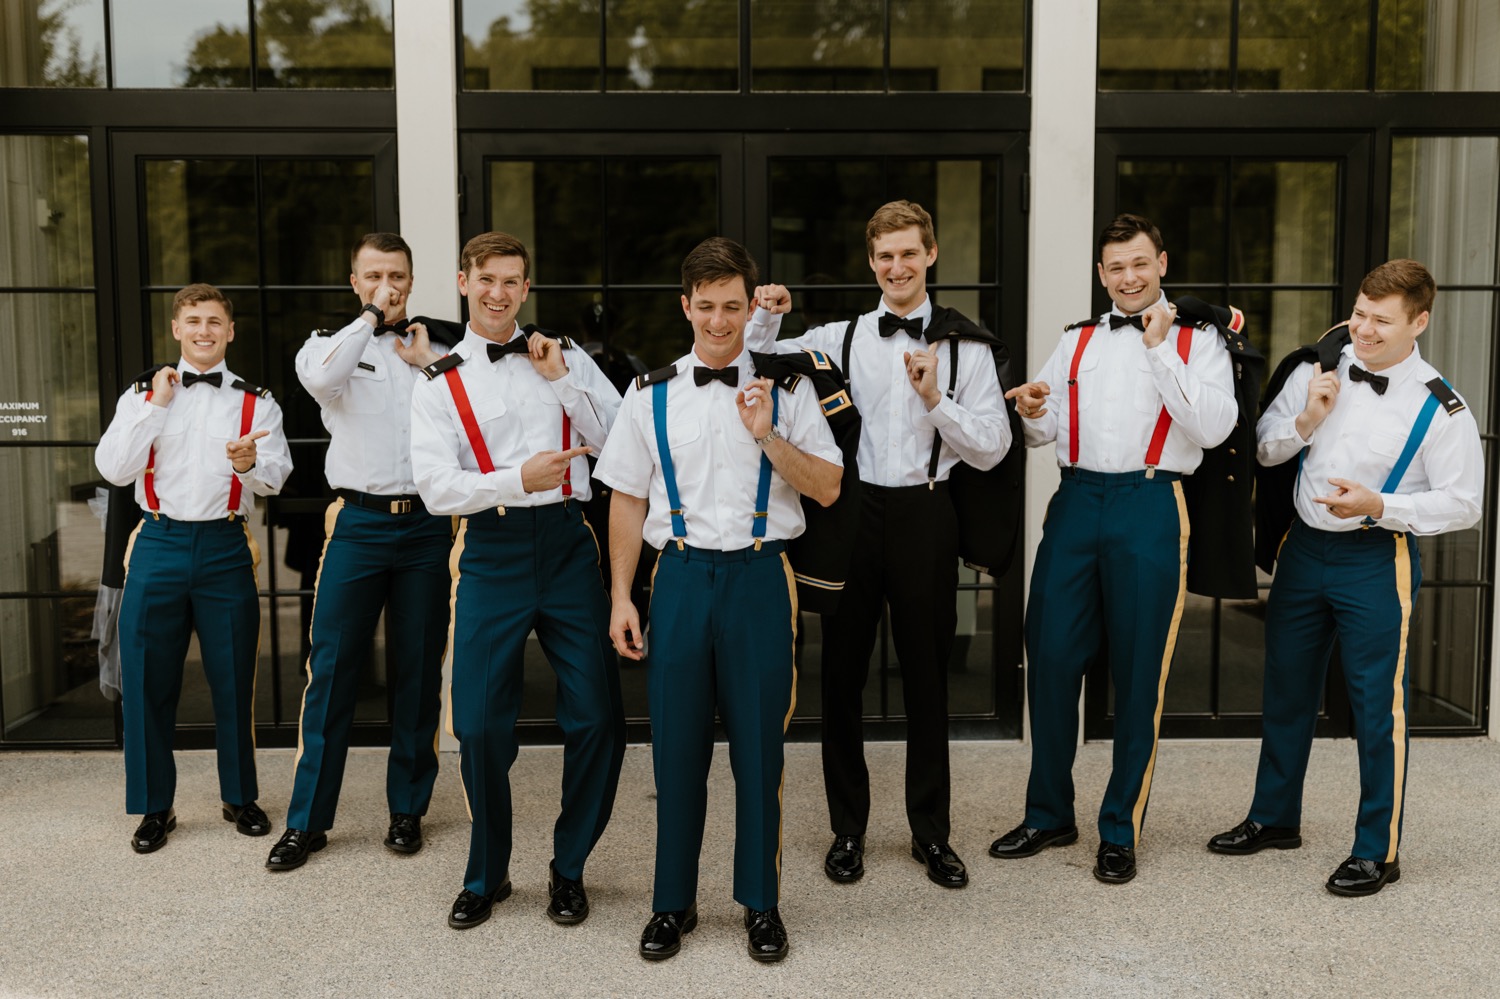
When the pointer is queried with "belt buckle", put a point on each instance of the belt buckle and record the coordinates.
(401, 506)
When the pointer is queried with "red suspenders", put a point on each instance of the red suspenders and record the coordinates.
(1163, 419)
(476, 439)
(236, 488)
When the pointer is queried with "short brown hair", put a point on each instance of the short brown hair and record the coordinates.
(1407, 278)
(1124, 228)
(893, 216)
(715, 259)
(494, 244)
(195, 293)
(381, 242)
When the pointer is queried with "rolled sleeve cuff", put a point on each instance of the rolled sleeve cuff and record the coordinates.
(944, 414)
(507, 482)
(629, 487)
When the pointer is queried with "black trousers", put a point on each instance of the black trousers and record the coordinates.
(906, 556)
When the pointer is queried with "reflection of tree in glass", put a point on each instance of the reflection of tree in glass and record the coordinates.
(61, 49)
(303, 44)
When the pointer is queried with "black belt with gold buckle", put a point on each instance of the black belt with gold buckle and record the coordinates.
(385, 504)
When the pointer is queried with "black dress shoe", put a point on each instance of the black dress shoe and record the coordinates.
(470, 908)
(1024, 841)
(1356, 877)
(767, 935)
(291, 850)
(1115, 864)
(151, 834)
(662, 937)
(1250, 837)
(846, 859)
(943, 866)
(570, 903)
(405, 833)
(248, 819)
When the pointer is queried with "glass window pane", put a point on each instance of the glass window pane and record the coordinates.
(325, 45)
(1278, 322)
(958, 46)
(676, 201)
(820, 45)
(201, 222)
(1443, 205)
(1437, 46)
(52, 392)
(1282, 222)
(46, 232)
(52, 43)
(568, 247)
(669, 45)
(1304, 45)
(1189, 683)
(1460, 343)
(49, 665)
(52, 540)
(519, 45)
(1446, 640)
(1167, 45)
(1242, 656)
(650, 325)
(181, 43)
(290, 317)
(814, 305)
(818, 212)
(312, 212)
(1186, 200)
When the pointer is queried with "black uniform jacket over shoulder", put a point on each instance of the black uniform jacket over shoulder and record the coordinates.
(820, 556)
(1275, 485)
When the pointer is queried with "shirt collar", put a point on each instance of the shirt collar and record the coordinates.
(1398, 372)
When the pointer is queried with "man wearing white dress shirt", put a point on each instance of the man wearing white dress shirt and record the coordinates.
(499, 437)
(906, 549)
(382, 551)
(1132, 400)
(1387, 452)
(707, 463)
(199, 444)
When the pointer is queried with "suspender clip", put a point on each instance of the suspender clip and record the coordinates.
(1150, 471)
(931, 483)
(680, 544)
(757, 544)
(500, 510)
(155, 515)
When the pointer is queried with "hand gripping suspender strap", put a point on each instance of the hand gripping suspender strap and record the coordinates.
(466, 415)
(937, 438)
(1163, 419)
(763, 487)
(668, 473)
(1413, 442)
(148, 483)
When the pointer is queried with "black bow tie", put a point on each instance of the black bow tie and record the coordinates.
(1116, 321)
(1377, 382)
(729, 376)
(216, 378)
(398, 327)
(890, 323)
(515, 345)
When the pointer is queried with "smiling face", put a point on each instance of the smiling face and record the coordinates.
(900, 263)
(718, 311)
(373, 267)
(495, 288)
(1382, 331)
(1131, 272)
(204, 330)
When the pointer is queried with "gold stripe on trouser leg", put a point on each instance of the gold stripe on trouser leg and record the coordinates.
(791, 588)
(454, 556)
(255, 672)
(1398, 696)
(330, 519)
(1166, 659)
(130, 547)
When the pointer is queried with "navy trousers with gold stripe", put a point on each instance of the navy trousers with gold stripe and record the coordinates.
(1359, 586)
(535, 568)
(1111, 576)
(369, 557)
(721, 634)
(181, 577)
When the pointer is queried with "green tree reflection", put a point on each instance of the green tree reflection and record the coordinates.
(301, 44)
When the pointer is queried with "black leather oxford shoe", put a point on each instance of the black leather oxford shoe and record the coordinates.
(570, 903)
(767, 935)
(943, 866)
(151, 834)
(846, 859)
(248, 819)
(1024, 841)
(1250, 837)
(1115, 864)
(662, 937)
(1356, 877)
(470, 908)
(292, 849)
(405, 833)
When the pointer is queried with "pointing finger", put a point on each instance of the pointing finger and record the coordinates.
(574, 452)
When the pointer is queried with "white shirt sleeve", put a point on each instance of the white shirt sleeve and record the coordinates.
(325, 363)
(125, 448)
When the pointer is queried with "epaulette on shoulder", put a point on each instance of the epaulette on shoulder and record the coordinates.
(1451, 403)
(563, 341)
(444, 363)
(324, 332)
(255, 390)
(654, 377)
(1090, 321)
(142, 382)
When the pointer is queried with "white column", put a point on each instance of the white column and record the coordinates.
(427, 160)
(427, 149)
(1060, 251)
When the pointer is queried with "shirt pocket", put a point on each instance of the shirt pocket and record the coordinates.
(1147, 396)
(1091, 378)
(1387, 445)
(367, 392)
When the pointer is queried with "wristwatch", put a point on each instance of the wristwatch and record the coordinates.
(375, 311)
(774, 435)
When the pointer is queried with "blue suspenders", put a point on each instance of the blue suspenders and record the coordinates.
(669, 475)
(1413, 442)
